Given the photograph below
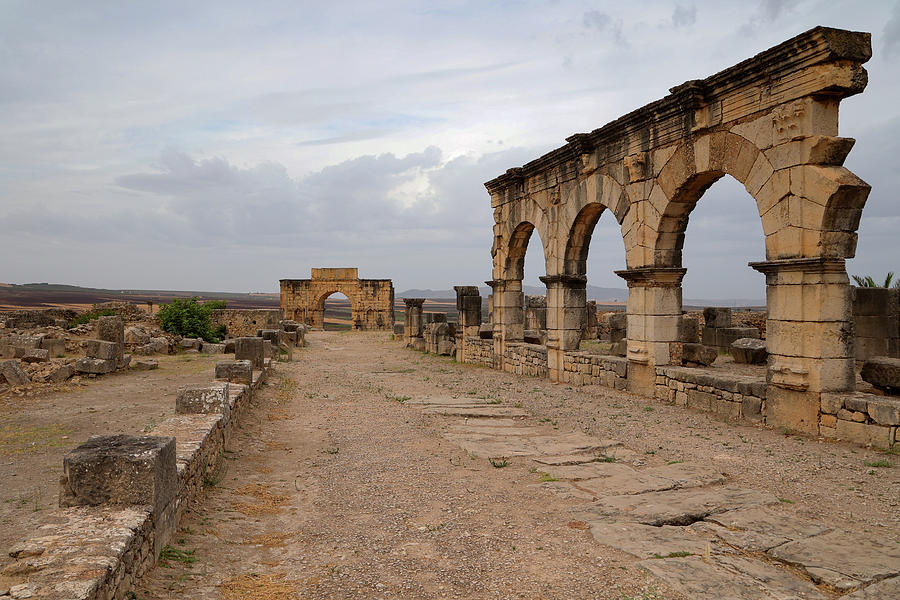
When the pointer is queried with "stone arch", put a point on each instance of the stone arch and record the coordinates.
(583, 210)
(304, 299)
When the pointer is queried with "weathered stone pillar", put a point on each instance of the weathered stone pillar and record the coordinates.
(654, 323)
(809, 336)
(468, 310)
(566, 298)
(414, 323)
(509, 315)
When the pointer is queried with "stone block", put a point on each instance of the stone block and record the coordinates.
(884, 411)
(865, 434)
(209, 348)
(203, 399)
(229, 346)
(690, 330)
(830, 404)
(147, 364)
(698, 354)
(112, 329)
(870, 301)
(126, 360)
(137, 336)
(751, 408)
(794, 410)
(36, 356)
(101, 349)
(751, 351)
(701, 400)
(883, 373)
(717, 316)
(61, 373)
(619, 348)
(95, 365)
(235, 371)
(728, 335)
(272, 335)
(252, 349)
(191, 343)
(55, 346)
(12, 373)
(154, 346)
(120, 470)
(446, 348)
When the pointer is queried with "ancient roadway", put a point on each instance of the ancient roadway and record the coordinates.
(366, 470)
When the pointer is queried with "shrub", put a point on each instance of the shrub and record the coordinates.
(189, 318)
(91, 315)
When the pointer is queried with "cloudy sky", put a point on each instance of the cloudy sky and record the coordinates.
(224, 145)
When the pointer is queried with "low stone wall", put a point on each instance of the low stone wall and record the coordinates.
(860, 418)
(876, 322)
(244, 322)
(588, 368)
(479, 351)
(526, 359)
(100, 552)
(731, 397)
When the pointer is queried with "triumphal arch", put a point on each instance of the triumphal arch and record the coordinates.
(771, 122)
(371, 300)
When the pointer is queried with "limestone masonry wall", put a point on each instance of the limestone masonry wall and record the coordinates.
(732, 397)
(479, 351)
(588, 368)
(98, 552)
(525, 359)
(240, 322)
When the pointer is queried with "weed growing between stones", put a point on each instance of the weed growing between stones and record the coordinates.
(499, 463)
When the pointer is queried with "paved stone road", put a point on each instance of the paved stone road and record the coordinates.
(375, 472)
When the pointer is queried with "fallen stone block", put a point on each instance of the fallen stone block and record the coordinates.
(203, 399)
(120, 470)
(229, 346)
(272, 335)
(95, 365)
(36, 356)
(191, 343)
(56, 347)
(750, 351)
(235, 371)
(699, 354)
(209, 348)
(13, 373)
(883, 373)
(61, 373)
(137, 336)
(146, 364)
(101, 349)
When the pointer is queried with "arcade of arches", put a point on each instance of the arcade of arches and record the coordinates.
(371, 300)
(770, 122)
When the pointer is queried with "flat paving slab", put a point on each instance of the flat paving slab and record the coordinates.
(730, 577)
(674, 507)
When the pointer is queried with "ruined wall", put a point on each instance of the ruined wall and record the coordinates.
(588, 368)
(244, 322)
(525, 359)
(479, 351)
(731, 397)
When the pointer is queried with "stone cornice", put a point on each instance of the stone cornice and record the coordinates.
(766, 75)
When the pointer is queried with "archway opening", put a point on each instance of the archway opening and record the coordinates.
(338, 313)
(725, 233)
(532, 266)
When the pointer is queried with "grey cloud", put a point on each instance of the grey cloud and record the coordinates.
(684, 16)
(891, 34)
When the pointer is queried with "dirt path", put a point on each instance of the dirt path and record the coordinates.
(339, 484)
(35, 432)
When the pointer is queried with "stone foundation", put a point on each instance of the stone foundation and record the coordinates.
(525, 359)
(730, 397)
(100, 552)
(587, 368)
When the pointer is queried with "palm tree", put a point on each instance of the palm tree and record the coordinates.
(867, 281)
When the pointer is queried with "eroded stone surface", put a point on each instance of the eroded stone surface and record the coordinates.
(842, 560)
(730, 577)
(889, 589)
(647, 541)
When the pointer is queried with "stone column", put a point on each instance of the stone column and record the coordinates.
(566, 298)
(414, 325)
(468, 309)
(809, 336)
(509, 316)
(653, 323)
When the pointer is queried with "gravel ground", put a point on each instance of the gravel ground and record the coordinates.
(334, 487)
